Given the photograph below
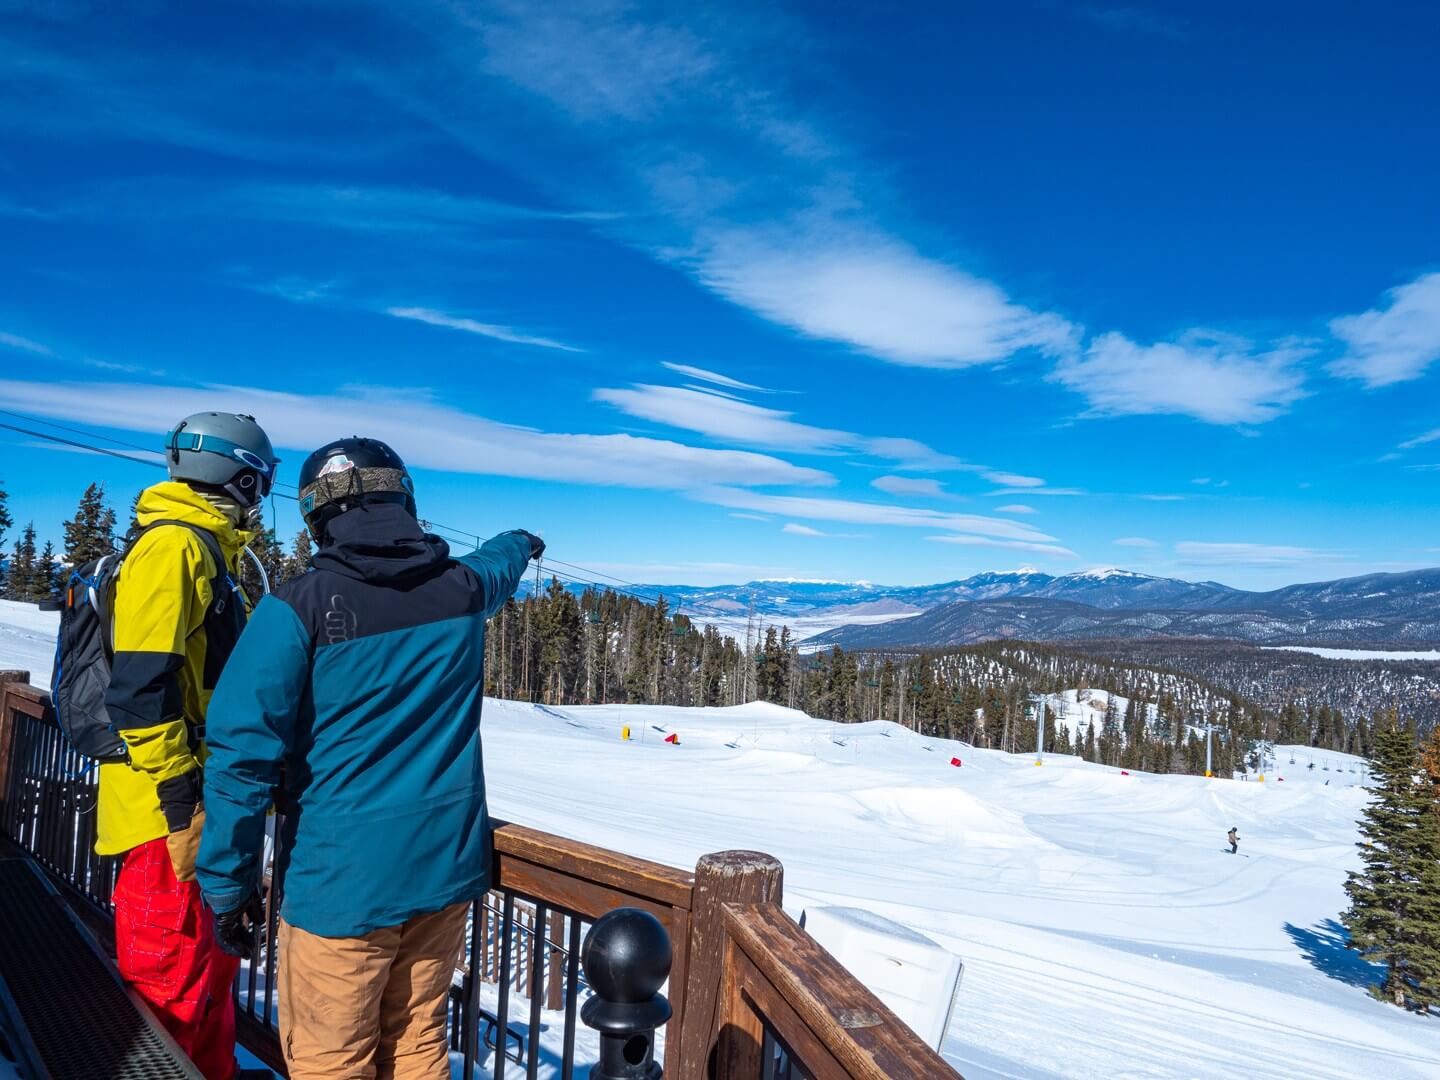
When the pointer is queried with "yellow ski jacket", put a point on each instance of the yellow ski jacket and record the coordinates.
(170, 644)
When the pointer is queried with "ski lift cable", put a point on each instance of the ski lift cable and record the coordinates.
(449, 532)
(80, 431)
(570, 577)
(81, 446)
(457, 534)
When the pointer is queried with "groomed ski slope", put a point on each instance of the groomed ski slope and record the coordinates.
(1106, 930)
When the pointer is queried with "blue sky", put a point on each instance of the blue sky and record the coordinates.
(709, 293)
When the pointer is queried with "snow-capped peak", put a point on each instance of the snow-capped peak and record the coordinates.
(1108, 573)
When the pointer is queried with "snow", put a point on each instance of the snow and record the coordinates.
(1075, 710)
(1105, 928)
(1105, 573)
(27, 639)
(802, 627)
(1360, 654)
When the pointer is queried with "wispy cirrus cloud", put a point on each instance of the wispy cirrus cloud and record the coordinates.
(1200, 553)
(726, 417)
(1012, 545)
(1212, 377)
(1137, 542)
(1014, 480)
(1032, 492)
(707, 376)
(854, 512)
(428, 433)
(909, 485)
(876, 294)
(414, 212)
(794, 529)
(472, 326)
(1016, 508)
(1421, 440)
(1395, 343)
(24, 344)
(678, 119)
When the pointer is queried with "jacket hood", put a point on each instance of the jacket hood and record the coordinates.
(380, 543)
(172, 500)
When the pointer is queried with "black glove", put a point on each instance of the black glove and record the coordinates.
(537, 546)
(235, 930)
(179, 796)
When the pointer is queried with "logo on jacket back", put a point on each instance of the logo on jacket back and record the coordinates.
(340, 622)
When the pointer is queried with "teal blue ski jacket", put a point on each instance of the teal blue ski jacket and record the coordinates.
(353, 702)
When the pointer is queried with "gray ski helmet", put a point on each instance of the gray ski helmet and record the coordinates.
(226, 452)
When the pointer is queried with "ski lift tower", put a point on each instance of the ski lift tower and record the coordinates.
(1209, 727)
(1037, 709)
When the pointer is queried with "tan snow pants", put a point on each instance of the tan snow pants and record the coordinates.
(370, 1007)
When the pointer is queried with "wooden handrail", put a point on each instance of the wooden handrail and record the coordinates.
(656, 882)
(779, 979)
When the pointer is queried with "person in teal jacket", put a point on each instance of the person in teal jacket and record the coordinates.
(353, 698)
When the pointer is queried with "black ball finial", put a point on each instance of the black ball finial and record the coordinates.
(626, 956)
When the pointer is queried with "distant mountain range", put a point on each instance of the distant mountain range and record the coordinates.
(1372, 609)
(1105, 588)
(1102, 603)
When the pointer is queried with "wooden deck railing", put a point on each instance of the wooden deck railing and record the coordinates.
(753, 995)
(783, 997)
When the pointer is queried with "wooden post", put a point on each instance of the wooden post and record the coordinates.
(733, 877)
(6, 749)
(739, 1030)
(555, 969)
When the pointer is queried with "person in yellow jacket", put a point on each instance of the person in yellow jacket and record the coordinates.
(177, 614)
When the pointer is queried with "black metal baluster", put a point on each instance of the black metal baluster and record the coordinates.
(538, 955)
(502, 1035)
(48, 810)
(572, 997)
(470, 1017)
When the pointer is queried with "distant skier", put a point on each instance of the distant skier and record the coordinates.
(1234, 837)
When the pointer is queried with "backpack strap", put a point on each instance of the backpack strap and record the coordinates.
(221, 584)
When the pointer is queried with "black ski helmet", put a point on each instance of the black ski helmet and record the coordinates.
(349, 473)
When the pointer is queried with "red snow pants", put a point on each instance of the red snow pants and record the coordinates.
(165, 948)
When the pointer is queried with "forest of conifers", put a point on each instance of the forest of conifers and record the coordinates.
(560, 646)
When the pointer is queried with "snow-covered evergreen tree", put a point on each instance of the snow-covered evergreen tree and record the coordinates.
(91, 532)
(1394, 914)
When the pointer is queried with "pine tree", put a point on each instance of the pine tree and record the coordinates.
(21, 579)
(28, 578)
(49, 583)
(1430, 766)
(133, 525)
(90, 533)
(271, 555)
(5, 523)
(1394, 914)
(301, 552)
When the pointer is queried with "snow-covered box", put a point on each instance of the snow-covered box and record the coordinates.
(913, 975)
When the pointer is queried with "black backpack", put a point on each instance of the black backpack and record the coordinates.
(85, 647)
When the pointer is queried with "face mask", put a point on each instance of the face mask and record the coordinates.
(247, 518)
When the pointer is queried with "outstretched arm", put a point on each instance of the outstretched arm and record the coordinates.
(249, 730)
(500, 563)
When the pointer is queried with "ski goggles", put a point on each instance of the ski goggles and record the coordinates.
(214, 444)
